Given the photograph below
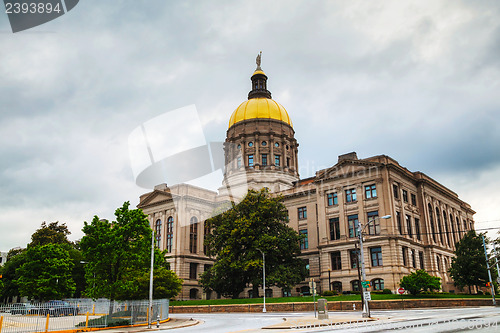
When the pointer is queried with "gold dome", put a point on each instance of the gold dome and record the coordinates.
(262, 108)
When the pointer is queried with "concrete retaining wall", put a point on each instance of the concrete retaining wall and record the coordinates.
(334, 306)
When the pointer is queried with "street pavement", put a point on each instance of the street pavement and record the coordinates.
(478, 319)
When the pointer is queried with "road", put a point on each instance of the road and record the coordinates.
(480, 319)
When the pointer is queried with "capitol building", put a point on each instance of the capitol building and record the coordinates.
(260, 150)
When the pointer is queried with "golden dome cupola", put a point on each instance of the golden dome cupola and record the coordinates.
(259, 82)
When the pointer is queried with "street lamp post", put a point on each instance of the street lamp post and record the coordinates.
(263, 278)
(366, 307)
(151, 277)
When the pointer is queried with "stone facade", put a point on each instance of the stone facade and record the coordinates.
(422, 218)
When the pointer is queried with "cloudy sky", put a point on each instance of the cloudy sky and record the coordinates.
(415, 80)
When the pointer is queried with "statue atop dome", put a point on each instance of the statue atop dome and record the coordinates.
(258, 60)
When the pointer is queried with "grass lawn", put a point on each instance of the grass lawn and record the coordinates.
(310, 299)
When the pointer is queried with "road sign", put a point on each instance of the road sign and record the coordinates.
(365, 284)
(367, 295)
(401, 291)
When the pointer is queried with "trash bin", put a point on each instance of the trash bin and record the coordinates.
(322, 309)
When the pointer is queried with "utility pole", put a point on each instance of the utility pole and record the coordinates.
(263, 278)
(496, 263)
(489, 272)
(366, 307)
(151, 278)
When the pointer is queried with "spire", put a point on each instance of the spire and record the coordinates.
(259, 82)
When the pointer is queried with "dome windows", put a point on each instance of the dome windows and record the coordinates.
(276, 144)
(250, 144)
(264, 143)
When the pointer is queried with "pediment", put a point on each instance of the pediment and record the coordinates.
(154, 197)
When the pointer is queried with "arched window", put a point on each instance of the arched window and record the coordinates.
(337, 286)
(170, 233)
(193, 293)
(378, 284)
(193, 234)
(445, 221)
(355, 285)
(206, 232)
(431, 219)
(453, 236)
(440, 227)
(158, 233)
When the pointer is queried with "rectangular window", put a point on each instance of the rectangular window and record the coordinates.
(421, 257)
(336, 261)
(398, 221)
(350, 195)
(332, 199)
(238, 162)
(373, 223)
(302, 211)
(405, 196)
(353, 254)
(250, 160)
(264, 159)
(170, 233)
(395, 190)
(413, 259)
(304, 243)
(334, 228)
(370, 191)
(417, 229)
(352, 221)
(288, 162)
(193, 271)
(405, 256)
(376, 256)
(413, 199)
(277, 160)
(408, 225)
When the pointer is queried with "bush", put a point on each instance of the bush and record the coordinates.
(328, 293)
(479, 292)
(387, 291)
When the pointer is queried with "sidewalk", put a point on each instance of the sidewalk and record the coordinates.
(309, 322)
(171, 324)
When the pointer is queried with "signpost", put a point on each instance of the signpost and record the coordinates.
(401, 291)
(367, 295)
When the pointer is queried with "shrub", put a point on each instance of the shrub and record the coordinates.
(387, 291)
(328, 293)
(480, 292)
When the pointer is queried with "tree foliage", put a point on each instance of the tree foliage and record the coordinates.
(47, 272)
(53, 233)
(257, 222)
(420, 281)
(166, 284)
(10, 273)
(117, 252)
(468, 267)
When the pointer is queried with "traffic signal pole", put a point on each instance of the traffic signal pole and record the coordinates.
(489, 272)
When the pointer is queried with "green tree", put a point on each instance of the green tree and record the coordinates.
(10, 273)
(420, 281)
(53, 233)
(118, 252)
(46, 274)
(166, 284)
(468, 267)
(237, 235)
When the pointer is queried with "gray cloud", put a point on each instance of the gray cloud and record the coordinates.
(415, 80)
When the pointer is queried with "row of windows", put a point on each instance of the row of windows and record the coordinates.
(452, 236)
(264, 161)
(170, 233)
(410, 258)
(351, 196)
(264, 144)
(413, 197)
(193, 234)
(376, 284)
(375, 258)
(410, 227)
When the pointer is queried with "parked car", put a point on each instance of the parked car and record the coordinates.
(58, 308)
(22, 308)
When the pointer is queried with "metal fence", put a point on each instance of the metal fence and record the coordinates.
(77, 314)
